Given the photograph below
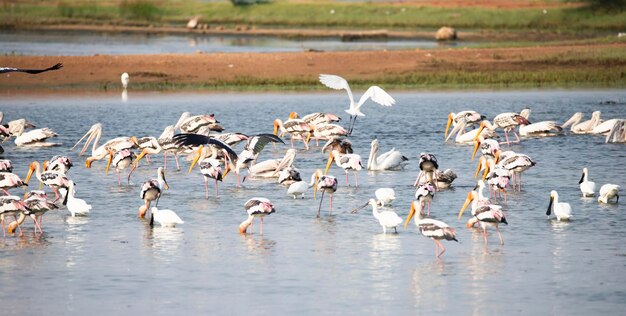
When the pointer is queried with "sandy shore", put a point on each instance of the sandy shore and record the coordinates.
(103, 72)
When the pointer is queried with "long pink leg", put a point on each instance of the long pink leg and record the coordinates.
(238, 181)
(176, 158)
(504, 197)
(485, 235)
(56, 194)
(18, 226)
(119, 181)
(356, 176)
(500, 236)
(347, 182)
(5, 191)
(217, 189)
(330, 211)
(520, 182)
(165, 160)
(516, 136)
(506, 135)
(206, 188)
(320, 206)
(148, 159)
(436, 248)
(261, 231)
(37, 225)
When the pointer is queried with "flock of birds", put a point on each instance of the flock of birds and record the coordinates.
(200, 137)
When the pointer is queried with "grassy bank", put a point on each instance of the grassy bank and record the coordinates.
(314, 14)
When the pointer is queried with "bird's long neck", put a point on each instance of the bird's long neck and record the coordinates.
(585, 176)
(420, 214)
(313, 178)
(94, 147)
(245, 224)
(38, 171)
(375, 210)
(556, 198)
(371, 161)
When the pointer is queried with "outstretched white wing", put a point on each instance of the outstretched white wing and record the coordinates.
(378, 95)
(337, 83)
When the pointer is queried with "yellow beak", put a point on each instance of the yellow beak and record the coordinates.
(331, 157)
(45, 165)
(411, 213)
(317, 179)
(469, 199)
(195, 159)
(486, 172)
(141, 155)
(450, 117)
(276, 127)
(109, 161)
(497, 159)
(476, 145)
(30, 174)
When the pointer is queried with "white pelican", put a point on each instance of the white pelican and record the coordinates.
(433, 229)
(193, 124)
(75, 205)
(100, 152)
(444, 179)
(120, 160)
(341, 144)
(428, 169)
(324, 183)
(584, 127)
(30, 71)
(465, 117)
(9, 180)
(289, 175)
(256, 207)
(295, 127)
(125, 79)
(272, 167)
(11, 205)
(167, 218)
(384, 196)
(37, 204)
(16, 127)
(543, 128)
(604, 127)
(61, 164)
(35, 138)
(608, 192)
(563, 211)
(424, 194)
(617, 134)
(391, 160)
(376, 93)
(386, 219)
(588, 188)
(53, 179)
(151, 190)
(346, 162)
(6, 165)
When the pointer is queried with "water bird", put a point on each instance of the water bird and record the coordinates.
(9, 180)
(343, 145)
(346, 162)
(376, 93)
(30, 71)
(100, 152)
(289, 175)
(390, 160)
(167, 218)
(608, 192)
(466, 117)
(35, 138)
(588, 188)
(121, 160)
(428, 169)
(75, 205)
(424, 194)
(385, 196)
(324, 183)
(617, 134)
(6, 165)
(386, 219)
(295, 127)
(507, 121)
(37, 204)
(538, 129)
(445, 178)
(11, 205)
(256, 207)
(562, 210)
(53, 179)
(151, 190)
(125, 79)
(431, 228)
(516, 164)
(189, 124)
(604, 127)
(486, 215)
(60, 164)
(582, 127)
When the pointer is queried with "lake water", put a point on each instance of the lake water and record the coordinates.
(90, 43)
(112, 262)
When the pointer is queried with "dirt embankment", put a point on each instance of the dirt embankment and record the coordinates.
(96, 72)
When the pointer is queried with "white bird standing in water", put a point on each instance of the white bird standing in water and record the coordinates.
(125, 79)
(563, 211)
(76, 205)
(376, 93)
(386, 219)
(608, 192)
(588, 188)
(433, 229)
(167, 218)
(385, 196)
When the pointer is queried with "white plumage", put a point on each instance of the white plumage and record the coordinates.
(76, 205)
(167, 218)
(588, 188)
(608, 192)
(125, 79)
(390, 160)
(386, 219)
(385, 196)
(433, 229)
(36, 138)
(562, 210)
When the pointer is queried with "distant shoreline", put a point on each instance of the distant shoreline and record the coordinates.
(598, 65)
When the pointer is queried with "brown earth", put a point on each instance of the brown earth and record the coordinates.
(96, 72)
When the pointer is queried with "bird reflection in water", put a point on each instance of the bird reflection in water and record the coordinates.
(124, 95)
(258, 246)
(165, 242)
(384, 259)
(429, 286)
(75, 240)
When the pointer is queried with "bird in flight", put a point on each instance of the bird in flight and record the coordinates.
(30, 71)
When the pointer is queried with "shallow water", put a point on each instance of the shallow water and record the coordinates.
(110, 261)
(90, 43)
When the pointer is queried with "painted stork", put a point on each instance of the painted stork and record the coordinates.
(433, 229)
(346, 162)
(151, 190)
(256, 207)
(53, 179)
